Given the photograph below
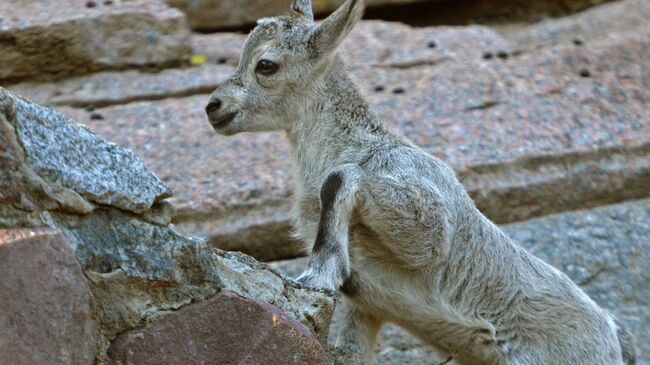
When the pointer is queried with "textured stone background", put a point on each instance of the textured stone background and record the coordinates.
(545, 118)
(542, 107)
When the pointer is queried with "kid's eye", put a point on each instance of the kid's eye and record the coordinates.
(266, 67)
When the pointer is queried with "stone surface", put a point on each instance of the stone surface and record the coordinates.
(219, 14)
(52, 39)
(528, 135)
(138, 267)
(120, 87)
(45, 302)
(138, 270)
(604, 250)
(588, 26)
(372, 43)
(225, 329)
(245, 276)
(71, 156)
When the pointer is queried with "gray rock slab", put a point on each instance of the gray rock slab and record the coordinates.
(64, 153)
(604, 250)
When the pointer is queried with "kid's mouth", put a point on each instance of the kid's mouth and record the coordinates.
(223, 120)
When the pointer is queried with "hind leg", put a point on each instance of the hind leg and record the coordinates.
(356, 341)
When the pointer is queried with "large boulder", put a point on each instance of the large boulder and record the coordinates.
(45, 301)
(137, 266)
(45, 39)
(225, 329)
(604, 250)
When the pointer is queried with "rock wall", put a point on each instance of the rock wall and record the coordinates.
(530, 131)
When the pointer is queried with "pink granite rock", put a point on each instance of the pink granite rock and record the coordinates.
(226, 329)
(45, 302)
(219, 14)
(529, 134)
(587, 27)
(57, 38)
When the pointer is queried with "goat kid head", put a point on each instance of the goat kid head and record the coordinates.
(281, 69)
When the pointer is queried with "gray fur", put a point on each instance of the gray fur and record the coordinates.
(396, 231)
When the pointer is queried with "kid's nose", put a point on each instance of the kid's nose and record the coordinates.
(212, 106)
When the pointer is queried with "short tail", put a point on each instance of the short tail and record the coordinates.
(628, 347)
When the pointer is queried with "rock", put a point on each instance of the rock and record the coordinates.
(185, 272)
(45, 300)
(91, 91)
(141, 272)
(528, 135)
(586, 27)
(138, 267)
(604, 250)
(65, 154)
(220, 48)
(251, 279)
(395, 46)
(239, 203)
(218, 14)
(55, 39)
(225, 329)
(372, 43)
(138, 270)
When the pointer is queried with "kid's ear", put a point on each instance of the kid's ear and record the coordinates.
(302, 8)
(333, 30)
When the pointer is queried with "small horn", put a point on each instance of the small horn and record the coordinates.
(302, 8)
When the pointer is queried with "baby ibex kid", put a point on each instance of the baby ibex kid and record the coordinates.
(390, 226)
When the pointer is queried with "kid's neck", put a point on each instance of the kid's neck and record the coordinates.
(339, 118)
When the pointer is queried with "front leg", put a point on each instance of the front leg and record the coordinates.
(329, 263)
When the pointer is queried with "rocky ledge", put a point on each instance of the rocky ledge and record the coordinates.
(109, 251)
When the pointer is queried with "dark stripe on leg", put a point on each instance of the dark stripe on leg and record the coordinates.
(328, 193)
